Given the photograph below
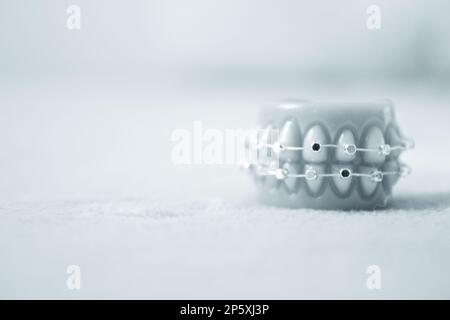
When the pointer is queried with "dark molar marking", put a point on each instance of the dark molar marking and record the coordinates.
(345, 173)
(315, 146)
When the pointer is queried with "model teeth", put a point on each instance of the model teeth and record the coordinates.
(343, 181)
(393, 138)
(368, 185)
(393, 169)
(374, 138)
(346, 148)
(336, 158)
(266, 155)
(290, 136)
(291, 182)
(265, 151)
(274, 175)
(313, 145)
(313, 179)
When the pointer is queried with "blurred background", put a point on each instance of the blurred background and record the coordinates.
(234, 40)
(86, 118)
(95, 107)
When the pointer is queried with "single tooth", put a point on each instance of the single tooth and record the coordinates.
(271, 181)
(314, 184)
(266, 153)
(313, 150)
(344, 181)
(390, 179)
(292, 183)
(393, 139)
(345, 144)
(290, 136)
(373, 139)
(368, 186)
(267, 156)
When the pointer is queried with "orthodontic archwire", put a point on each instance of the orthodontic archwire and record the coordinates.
(349, 149)
(345, 173)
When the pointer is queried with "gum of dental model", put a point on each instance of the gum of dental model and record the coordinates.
(331, 155)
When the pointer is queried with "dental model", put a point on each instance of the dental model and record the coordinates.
(328, 155)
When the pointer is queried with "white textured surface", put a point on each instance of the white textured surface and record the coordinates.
(85, 179)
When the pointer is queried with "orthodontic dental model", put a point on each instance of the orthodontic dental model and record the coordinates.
(328, 155)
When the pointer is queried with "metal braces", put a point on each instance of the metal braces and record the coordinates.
(344, 173)
(349, 149)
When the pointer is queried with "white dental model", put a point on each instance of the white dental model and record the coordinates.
(329, 155)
